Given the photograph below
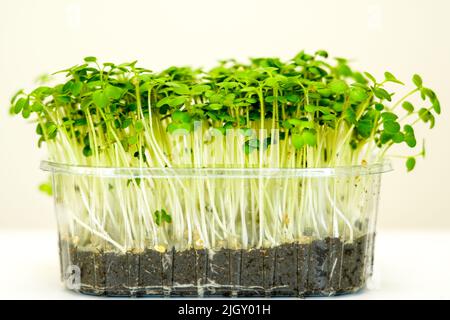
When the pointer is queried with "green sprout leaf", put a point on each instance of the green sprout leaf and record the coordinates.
(294, 122)
(182, 89)
(51, 129)
(177, 101)
(39, 130)
(158, 217)
(410, 163)
(350, 115)
(364, 128)
(409, 136)
(215, 106)
(132, 140)
(250, 145)
(166, 217)
(358, 94)
(100, 99)
(181, 117)
(311, 108)
(163, 101)
(379, 106)
(172, 127)
(322, 53)
(391, 127)
(389, 116)
(90, 59)
(426, 116)
(385, 137)
(46, 188)
(408, 106)
(417, 80)
(338, 106)
(20, 105)
(436, 106)
(298, 141)
(382, 94)
(294, 98)
(161, 216)
(338, 86)
(309, 137)
(199, 89)
(37, 107)
(139, 126)
(113, 92)
(87, 151)
(389, 77)
(398, 137)
(371, 77)
(76, 88)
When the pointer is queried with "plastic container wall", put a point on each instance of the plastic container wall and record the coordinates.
(216, 232)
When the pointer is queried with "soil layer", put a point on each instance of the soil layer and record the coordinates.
(322, 267)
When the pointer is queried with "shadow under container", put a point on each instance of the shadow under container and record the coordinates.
(216, 232)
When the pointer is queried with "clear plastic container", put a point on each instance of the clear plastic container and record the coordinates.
(209, 232)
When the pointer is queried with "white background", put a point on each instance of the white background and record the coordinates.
(402, 36)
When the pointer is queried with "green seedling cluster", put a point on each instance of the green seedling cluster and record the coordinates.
(331, 112)
(307, 112)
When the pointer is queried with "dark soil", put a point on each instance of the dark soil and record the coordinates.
(323, 267)
(184, 273)
(150, 273)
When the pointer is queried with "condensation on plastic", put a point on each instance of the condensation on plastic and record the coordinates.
(232, 232)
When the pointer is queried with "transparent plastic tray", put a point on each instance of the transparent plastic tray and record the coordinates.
(216, 231)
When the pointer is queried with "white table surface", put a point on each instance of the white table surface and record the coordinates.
(408, 265)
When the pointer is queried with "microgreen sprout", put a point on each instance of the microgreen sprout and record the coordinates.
(306, 112)
(162, 216)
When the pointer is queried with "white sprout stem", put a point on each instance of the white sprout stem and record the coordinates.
(214, 212)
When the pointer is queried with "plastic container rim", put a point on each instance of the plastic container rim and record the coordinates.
(136, 172)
